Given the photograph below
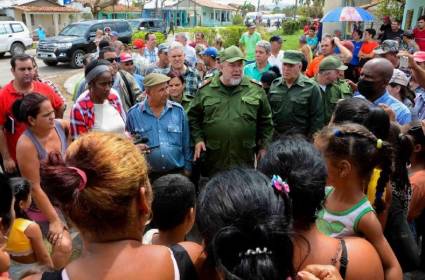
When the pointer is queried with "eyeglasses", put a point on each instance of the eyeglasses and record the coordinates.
(128, 63)
(112, 59)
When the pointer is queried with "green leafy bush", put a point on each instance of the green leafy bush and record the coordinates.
(237, 20)
(290, 27)
(160, 37)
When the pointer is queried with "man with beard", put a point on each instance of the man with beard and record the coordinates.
(374, 79)
(295, 100)
(230, 118)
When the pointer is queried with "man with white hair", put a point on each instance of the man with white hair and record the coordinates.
(176, 57)
(261, 65)
(188, 50)
(230, 118)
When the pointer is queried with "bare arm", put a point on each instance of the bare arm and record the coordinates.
(417, 71)
(346, 55)
(372, 230)
(34, 234)
(8, 162)
(29, 166)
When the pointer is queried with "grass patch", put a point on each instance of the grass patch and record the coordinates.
(291, 41)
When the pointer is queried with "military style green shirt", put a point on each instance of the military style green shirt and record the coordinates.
(233, 122)
(297, 109)
(340, 89)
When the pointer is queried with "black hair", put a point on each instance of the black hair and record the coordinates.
(6, 198)
(174, 195)
(21, 190)
(275, 69)
(268, 77)
(147, 36)
(403, 148)
(104, 43)
(304, 64)
(359, 32)
(421, 18)
(176, 74)
(105, 50)
(276, 38)
(416, 132)
(364, 150)
(96, 62)
(361, 111)
(239, 211)
(371, 31)
(312, 28)
(299, 164)
(28, 106)
(20, 57)
(396, 20)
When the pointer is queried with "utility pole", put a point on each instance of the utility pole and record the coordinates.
(258, 5)
(295, 10)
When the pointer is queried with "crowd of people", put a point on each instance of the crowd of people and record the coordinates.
(186, 160)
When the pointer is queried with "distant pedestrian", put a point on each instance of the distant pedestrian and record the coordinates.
(41, 33)
(248, 42)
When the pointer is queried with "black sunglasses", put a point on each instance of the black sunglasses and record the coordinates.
(111, 60)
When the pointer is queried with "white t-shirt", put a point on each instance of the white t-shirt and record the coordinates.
(107, 119)
(276, 60)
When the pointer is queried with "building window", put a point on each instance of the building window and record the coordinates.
(211, 15)
(32, 20)
(204, 13)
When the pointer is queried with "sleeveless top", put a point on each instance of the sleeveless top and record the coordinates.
(63, 275)
(18, 244)
(342, 223)
(42, 154)
(33, 212)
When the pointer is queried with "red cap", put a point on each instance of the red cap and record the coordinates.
(138, 44)
(386, 17)
(124, 57)
(419, 56)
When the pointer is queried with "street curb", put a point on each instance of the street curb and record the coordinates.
(72, 81)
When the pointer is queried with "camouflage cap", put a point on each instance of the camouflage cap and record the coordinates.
(231, 54)
(387, 46)
(292, 57)
(331, 62)
(154, 79)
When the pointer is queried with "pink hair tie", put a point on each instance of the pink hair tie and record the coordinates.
(83, 177)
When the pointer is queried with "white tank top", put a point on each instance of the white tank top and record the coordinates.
(342, 223)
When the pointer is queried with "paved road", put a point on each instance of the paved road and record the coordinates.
(57, 73)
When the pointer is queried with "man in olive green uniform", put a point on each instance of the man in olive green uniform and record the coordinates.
(332, 88)
(295, 99)
(230, 118)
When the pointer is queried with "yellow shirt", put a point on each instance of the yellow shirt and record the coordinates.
(18, 244)
(371, 188)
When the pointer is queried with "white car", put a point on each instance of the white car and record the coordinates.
(14, 37)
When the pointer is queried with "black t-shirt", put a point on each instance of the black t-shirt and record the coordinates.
(391, 35)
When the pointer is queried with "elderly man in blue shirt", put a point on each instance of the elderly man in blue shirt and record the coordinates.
(164, 126)
(374, 78)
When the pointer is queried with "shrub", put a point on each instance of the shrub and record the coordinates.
(290, 27)
(231, 34)
(237, 20)
(160, 37)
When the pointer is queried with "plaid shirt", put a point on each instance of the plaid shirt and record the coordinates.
(82, 113)
(151, 55)
(192, 81)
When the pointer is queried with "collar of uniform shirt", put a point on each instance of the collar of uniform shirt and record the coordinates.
(144, 105)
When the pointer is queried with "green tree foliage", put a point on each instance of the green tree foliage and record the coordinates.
(160, 37)
(392, 8)
(237, 20)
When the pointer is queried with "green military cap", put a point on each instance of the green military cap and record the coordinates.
(231, 54)
(331, 62)
(292, 57)
(154, 79)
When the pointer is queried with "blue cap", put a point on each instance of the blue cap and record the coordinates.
(211, 51)
(114, 33)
